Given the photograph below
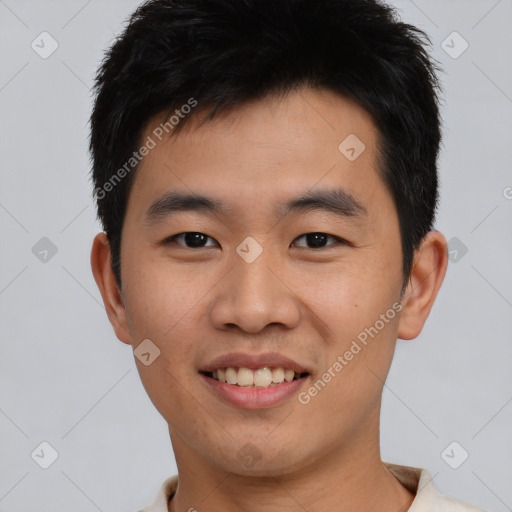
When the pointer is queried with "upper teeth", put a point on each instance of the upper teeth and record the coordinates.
(262, 377)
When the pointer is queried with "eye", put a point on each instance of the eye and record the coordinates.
(192, 239)
(318, 240)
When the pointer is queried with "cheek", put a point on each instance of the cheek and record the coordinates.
(158, 297)
(159, 304)
(350, 295)
(358, 312)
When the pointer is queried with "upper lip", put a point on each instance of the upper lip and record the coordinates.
(241, 360)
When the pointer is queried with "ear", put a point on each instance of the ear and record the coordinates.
(106, 281)
(427, 275)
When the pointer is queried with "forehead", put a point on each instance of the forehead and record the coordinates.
(266, 150)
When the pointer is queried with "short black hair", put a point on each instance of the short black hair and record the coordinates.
(222, 54)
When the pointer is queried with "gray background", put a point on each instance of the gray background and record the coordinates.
(66, 380)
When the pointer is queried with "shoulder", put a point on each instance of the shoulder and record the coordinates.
(167, 489)
(428, 498)
(431, 500)
(450, 504)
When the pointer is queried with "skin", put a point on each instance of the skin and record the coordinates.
(307, 303)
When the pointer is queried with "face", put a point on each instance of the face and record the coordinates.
(292, 261)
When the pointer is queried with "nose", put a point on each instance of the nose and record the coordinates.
(255, 295)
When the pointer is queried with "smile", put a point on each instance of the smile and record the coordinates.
(258, 378)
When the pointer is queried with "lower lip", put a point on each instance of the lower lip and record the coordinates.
(254, 398)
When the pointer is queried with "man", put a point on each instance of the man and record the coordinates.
(265, 172)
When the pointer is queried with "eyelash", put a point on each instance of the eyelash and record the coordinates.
(337, 239)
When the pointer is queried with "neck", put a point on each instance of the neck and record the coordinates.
(352, 476)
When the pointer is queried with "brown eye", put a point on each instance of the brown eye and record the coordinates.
(317, 240)
(191, 239)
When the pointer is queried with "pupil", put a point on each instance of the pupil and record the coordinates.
(316, 239)
(195, 239)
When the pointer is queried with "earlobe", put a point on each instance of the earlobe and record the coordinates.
(427, 275)
(106, 281)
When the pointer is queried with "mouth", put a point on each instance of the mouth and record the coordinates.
(263, 377)
(254, 381)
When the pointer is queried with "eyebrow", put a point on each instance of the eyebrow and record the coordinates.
(337, 201)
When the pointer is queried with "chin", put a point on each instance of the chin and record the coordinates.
(255, 462)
